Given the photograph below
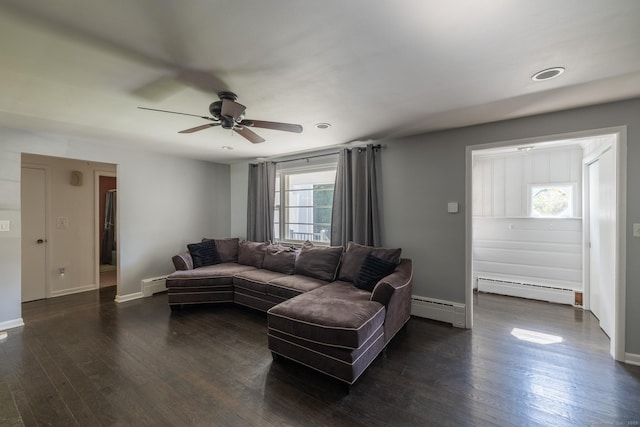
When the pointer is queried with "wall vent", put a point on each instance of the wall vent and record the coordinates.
(527, 290)
(153, 285)
(440, 310)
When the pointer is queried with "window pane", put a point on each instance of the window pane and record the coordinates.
(305, 205)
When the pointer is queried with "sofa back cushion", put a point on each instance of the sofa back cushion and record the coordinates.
(279, 258)
(354, 257)
(251, 253)
(228, 249)
(319, 262)
(204, 253)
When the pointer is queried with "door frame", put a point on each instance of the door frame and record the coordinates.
(47, 224)
(617, 348)
(98, 227)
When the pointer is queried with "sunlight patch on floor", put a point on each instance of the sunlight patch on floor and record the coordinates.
(535, 337)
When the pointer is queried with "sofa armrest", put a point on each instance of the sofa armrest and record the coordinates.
(183, 261)
(394, 291)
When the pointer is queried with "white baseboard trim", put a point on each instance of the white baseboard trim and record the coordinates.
(129, 297)
(440, 310)
(632, 359)
(76, 290)
(10, 324)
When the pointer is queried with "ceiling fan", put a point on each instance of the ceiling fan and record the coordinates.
(230, 115)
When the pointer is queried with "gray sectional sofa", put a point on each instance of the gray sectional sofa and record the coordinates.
(329, 308)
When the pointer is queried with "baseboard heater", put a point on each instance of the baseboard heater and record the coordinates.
(440, 310)
(153, 285)
(530, 290)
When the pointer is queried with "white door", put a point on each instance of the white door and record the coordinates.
(602, 234)
(34, 234)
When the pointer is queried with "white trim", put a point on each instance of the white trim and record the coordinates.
(620, 146)
(440, 310)
(632, 359)
(129, 297)
(75, 290)
(10, 324)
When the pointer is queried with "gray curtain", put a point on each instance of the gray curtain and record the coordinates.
(261, 201)
(355, 214)
(108, 233)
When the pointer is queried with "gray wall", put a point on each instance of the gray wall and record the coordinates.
(164, 202)
(422, 173)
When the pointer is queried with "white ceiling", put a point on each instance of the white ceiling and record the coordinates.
(373, 69)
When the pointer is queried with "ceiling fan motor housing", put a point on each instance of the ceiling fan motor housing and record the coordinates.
(215, 108)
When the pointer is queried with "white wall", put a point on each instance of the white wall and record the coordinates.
(164, 203)
(74, 247)
(239, 185)
(510, 245)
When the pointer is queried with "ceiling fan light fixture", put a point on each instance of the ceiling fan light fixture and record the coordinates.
(547, 74)
(323, 125)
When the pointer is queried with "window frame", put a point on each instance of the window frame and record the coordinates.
(281, 203)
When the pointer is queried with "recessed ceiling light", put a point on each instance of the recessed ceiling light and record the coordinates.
(323, 125)
(547, 74)
(226, 147)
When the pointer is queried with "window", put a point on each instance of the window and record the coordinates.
(304, 197)
(551, 200)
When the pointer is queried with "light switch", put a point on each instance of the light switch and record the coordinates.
(5, 225)
(636, 230)
(452, 207)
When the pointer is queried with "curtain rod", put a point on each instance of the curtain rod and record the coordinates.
(333, 153)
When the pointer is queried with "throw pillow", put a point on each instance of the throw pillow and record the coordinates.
(319, 262)
(373, 269)
(279, 258)
(251, 253)
(227, 248)
(204, 253)
(354, 257)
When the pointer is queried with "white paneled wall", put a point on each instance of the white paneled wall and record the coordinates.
(508, 244)
(500, 182)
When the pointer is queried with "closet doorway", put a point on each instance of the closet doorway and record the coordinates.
(107, 196)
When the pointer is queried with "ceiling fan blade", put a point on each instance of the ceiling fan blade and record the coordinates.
(248, 134)
(232, 108)
(272, 125)
(201, 127)
(176, 112)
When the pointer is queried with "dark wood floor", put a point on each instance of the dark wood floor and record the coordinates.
(85, 360)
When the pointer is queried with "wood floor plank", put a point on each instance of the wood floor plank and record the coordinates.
(85, 360)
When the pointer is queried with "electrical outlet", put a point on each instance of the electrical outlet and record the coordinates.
(5, 225)
(636, 230)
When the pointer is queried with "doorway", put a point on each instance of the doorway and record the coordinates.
(107, 196)
(610, 263)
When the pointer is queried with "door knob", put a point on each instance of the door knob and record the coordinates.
(40, 241)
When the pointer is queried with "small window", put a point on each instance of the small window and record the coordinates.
(304, 198)
(551, 200)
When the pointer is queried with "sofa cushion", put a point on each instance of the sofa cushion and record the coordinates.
(319, 262)
(279, 258)
(255, 280)
(204, 253)
(337, 314)
(373, 269)
(293, 285)
(354, 257)
(227, 249)
(212, 275)
(251, 253)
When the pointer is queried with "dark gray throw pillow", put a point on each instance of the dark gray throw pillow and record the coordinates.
(204, 253)
(355, 254)
(373, 269)
(319, 262)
